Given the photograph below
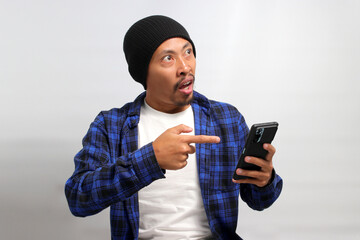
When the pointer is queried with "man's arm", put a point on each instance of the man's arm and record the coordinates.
(99, 181)
(260, 198)
(263, 187)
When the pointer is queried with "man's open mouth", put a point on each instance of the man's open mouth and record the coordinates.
(185, 84)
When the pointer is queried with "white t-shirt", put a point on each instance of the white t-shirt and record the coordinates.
(171, 208)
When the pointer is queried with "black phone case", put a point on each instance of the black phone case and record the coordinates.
(259, 134)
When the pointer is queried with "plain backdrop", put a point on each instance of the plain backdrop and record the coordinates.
(295, 62)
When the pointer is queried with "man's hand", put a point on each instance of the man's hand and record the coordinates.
(259, 178)
(172, 149)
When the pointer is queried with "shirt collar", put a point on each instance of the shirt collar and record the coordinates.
(202, 102)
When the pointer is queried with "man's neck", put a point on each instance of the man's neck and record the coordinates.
(167, 108)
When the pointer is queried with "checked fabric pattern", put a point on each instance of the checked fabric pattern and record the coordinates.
(110, 169)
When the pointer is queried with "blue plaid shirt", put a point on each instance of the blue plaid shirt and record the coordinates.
(110, 169)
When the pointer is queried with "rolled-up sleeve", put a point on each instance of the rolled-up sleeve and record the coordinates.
(260, 198)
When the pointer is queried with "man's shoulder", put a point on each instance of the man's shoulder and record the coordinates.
(215, 106)
(118, 111)
(219, 111)
(130, 109)
(222, 106)
(224, 112)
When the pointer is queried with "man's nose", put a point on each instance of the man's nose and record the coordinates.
(183, 67)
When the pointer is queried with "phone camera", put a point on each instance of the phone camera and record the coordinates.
(258, 134)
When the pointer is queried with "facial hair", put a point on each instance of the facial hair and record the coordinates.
(187, 101)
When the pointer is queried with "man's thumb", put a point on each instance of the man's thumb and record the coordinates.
(182, 128)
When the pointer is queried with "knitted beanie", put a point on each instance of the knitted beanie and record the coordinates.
(144, 37)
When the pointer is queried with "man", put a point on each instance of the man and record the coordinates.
(164, 163)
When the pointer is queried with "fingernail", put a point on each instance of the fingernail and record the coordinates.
(247, 159)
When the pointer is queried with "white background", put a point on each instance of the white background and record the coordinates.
(295, 62)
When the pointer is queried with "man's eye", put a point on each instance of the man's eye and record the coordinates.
(167, 58)
(188, 52)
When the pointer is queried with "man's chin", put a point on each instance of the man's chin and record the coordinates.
(186, 101)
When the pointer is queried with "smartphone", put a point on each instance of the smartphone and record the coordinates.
(259, 134)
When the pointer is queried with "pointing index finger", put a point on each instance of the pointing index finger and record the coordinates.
(201, 139)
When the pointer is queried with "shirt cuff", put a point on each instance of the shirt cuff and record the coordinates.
(146, 166)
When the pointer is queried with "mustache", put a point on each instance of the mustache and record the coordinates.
(182, 79)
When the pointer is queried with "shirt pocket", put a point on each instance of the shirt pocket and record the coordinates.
(222, 167)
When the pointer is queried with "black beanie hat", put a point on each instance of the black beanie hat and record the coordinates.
(144, 37)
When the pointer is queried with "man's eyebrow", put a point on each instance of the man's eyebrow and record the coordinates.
(186, 45)
(167, 51)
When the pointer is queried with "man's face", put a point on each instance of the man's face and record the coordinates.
(171, 76)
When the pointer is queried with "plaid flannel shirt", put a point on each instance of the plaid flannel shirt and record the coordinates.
(110, 169)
